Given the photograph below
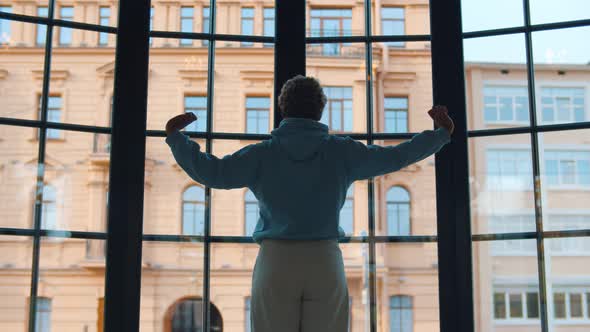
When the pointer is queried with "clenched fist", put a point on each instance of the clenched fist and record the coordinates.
(441, 118)
(179, 122)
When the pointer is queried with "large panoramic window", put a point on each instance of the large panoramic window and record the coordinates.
(499, 217)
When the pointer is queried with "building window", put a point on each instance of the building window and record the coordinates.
(331, 23)
(401, 313)
(392, 23)
(151, 21)
(105, 20)
(509, 170)
(41, 28)
(398, 211)
(49, 208)
(247, 313)
(562, 105)
(506, 104)
(54, 105)
(198, 106)
(257, 115)
(187, 316)
(568, 245)
(347, 212)
(567, 168)
(186, 23)
(43, 315)
(205, 25)
(65, 34)
(571, 304)
(5, 26)
(512, 223)
(251, 212)
(193, 211)
(338, 111)
(269, 24)
(396, 114)
(247, 24)
(516, 304)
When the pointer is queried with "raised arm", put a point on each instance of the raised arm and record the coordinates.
(237, 170)
(365, 161)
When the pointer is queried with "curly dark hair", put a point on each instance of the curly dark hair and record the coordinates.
(302, 97)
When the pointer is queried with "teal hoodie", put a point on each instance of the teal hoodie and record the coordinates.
(300, 175)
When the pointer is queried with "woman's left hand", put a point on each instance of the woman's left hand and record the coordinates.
(180, 121)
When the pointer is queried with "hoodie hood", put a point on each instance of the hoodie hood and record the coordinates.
(300, 139)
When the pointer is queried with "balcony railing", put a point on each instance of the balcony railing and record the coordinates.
(102, 143)
(335, 50)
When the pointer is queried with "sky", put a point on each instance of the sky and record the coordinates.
(561, 46)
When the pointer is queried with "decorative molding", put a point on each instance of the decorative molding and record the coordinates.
(399, 76)
(56, 76)
(193, 76)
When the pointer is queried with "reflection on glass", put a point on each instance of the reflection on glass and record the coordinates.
(486, 15)
(506, 287)
(501, 185)
(18, 161)
(548, 11)
(76, 182)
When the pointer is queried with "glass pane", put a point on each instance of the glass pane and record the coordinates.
(502, 193)
(339, 20)
(485, 15)
(547, 11)
(412, 296)
(561, 86)
(71, 98)
(23, 8)
(171, 290)
(496, 82)
(21, 77)
(402, 95)
(241, 77)
(564, 159)
(340, 70)
(177, 83)
(61, 261)
(405, 199)
(102, 14)
(188, 17)
(15, 271)
(505, 286)
(18, 155)
(393, 20)
(77, 171)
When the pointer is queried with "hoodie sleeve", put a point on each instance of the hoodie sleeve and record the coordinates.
(366, 161)
(237, 170)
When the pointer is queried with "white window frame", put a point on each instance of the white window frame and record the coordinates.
(580, 149)
(505, 148)
(571, 119)
(522, 290)
(568, 290)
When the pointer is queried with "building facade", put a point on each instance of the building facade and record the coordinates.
(71, 274)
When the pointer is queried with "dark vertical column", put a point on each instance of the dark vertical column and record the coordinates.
(452, 171)
(125, 215)
(289, 46)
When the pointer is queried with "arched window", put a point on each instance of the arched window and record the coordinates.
(186, 315)
(193, 211)
(401, 316)
(398, 211)
(347, 212)
(49, 208)
(251, 212)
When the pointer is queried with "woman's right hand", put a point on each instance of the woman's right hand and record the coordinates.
(180, 121)
(441, 118)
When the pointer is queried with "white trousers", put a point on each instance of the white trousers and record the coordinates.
(299, 286)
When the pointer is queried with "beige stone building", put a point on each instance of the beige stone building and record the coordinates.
(71, 271)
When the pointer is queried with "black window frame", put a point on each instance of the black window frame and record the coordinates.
(125, 213)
